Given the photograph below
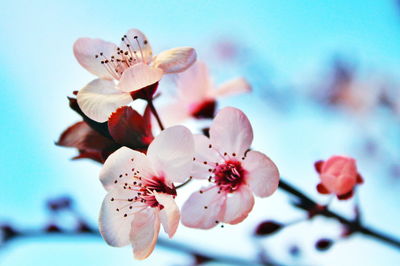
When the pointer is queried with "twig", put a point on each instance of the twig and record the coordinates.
(162, 242)
(354, 225)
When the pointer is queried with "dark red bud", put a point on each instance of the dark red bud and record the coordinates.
(267, 228)
(52, 228)
(323, 244)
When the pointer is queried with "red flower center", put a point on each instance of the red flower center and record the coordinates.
(205, 109)
(155, 184)
(229, 176)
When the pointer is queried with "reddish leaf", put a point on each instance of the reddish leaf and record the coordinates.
(128, 128)
(90, 144)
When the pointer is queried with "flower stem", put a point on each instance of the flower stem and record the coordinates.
(155, 113)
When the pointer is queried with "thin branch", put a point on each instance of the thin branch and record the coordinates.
(175, 246)
(307, 203)
(155, 113)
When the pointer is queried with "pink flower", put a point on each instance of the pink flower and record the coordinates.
(141, 191)
(338, 176)
(197, 94)
(131, 64)
(234, 173)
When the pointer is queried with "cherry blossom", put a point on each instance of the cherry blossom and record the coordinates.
(197, 95)
(338, 176)
(141, 191)
(131, 65)
(235, 173)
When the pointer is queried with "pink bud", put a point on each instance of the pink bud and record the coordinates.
(338, 176)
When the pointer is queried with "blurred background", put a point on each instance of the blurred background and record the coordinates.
(325, 77)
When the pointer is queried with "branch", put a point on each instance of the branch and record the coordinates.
(200, 256)
(354, 226)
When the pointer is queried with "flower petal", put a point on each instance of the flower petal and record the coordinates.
(231, 132)
(171, 153)
(234, 86)
(169, 215)
(176, 60)
(204, 208)
(85, 51)
(174, 113)
(203, 153)
(262, 174)
(137, 45)
(139, 76)
(144, 233)
(194, 84)
(113, 225)
(120, 166)
(100, 98)
(238, 205)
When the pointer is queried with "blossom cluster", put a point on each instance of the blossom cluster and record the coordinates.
(142, 172)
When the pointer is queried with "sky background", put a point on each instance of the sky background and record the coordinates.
(285, 47)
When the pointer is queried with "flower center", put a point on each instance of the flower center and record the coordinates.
(130, 53)
(205, 109)
(229, 176)
(155, 184)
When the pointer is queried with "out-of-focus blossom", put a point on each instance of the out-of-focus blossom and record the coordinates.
(338, 176)
(141, 191)
(197, 96)
(131, 64)
(97, 141)
(235, 173)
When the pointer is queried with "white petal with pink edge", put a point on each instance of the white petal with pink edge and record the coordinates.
(194, 84)
(144, 232)
(171, 153)
(169, 215)
(204, 208)
(139, 76)
(205, 157)
(113, 225)
(137, 45)
(100, 98)
(120, 166)
(238, 205)
(231, 132)
(175, 60)
(174, 113)
(91, 52)
(262, 174)
(231, 87)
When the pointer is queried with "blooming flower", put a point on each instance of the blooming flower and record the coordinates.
(338, 176)
(197, 94)
(131, 64)
(141, 191)
(234, 173)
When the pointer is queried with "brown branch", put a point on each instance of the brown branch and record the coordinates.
(354, 226)
(198, 255)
